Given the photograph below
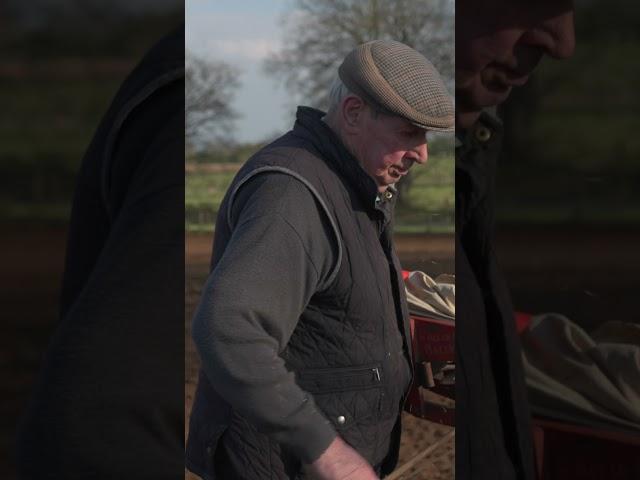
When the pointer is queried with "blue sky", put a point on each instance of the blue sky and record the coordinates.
(243, 33)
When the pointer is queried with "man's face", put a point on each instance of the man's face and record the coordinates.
(500, 42)
(387, 146)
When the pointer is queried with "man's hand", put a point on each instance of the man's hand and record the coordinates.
(341, 462)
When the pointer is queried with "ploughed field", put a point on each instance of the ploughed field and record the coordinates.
(588, 274)
(430, 253)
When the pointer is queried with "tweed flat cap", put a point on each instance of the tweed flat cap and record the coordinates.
(395, 78)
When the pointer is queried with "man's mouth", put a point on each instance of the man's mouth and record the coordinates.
(505, 76)
(397, 172)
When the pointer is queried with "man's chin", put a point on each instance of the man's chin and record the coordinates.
(469, 105)
(465, 120)
(384, 184)
(495, 98)
(487, 98)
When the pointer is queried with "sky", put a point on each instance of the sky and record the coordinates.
(243, 33)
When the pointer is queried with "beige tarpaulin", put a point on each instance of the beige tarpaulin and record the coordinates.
(587, 379)
(431, 297)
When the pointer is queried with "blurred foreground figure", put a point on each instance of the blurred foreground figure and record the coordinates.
(498, 44)
(109, 400)
(303, 327)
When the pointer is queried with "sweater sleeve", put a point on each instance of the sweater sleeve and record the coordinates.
(280, 251)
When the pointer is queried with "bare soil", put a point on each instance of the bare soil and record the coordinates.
(31, 265)
(590, 275)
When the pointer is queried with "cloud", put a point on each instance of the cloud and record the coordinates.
(250, 49)
(243, 33)
(233, 37)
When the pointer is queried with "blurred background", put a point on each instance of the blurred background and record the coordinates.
(62, 62)
(248, 65)
(568, 196)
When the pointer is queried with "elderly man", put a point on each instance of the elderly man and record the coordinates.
(303, 327)
(498, 44)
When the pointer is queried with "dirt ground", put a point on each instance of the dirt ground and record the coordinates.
(589, 274)
(433, 254)
(31, 264)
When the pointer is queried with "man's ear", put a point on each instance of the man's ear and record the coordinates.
(353, 110)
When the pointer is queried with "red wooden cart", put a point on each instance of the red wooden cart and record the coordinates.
(433, 394)
(563, 451)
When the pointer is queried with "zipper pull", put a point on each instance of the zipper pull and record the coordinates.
(376, 372)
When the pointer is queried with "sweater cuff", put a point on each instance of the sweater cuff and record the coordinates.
(312, 439)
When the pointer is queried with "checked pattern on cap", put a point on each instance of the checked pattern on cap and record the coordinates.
(401, 81)
(414, 79)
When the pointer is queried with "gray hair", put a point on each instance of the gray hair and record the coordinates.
(337, 93)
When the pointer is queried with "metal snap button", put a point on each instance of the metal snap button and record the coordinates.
(483, 134)
(388, 195)
(341, 419)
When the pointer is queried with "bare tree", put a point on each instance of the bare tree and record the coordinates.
(319, 33)
(209, 90)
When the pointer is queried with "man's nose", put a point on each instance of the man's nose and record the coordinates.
(421, 153)
(555, 35)
(563, 31)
